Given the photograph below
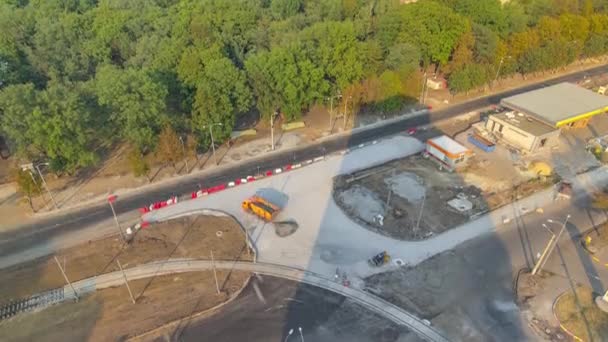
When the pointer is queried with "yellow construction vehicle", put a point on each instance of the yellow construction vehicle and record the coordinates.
(265, 204)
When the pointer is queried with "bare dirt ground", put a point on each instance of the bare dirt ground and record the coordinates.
(412, 181)
(411, 194)
(191, 237)
(109, 315)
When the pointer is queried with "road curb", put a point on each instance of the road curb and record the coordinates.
(561, 326)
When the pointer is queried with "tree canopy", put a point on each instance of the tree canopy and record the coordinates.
(78, 76)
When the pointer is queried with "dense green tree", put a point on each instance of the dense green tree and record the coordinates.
(78, 74)
(335, 49)
(56, 124)
(282, 9)
(221, 90)
(433, 27)
(402, 55)
(286, 79)
(136, 103)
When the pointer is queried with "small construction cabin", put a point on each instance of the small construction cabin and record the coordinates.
(533, 120)
(450, 153)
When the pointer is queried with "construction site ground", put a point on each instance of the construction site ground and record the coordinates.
(466, 292)
(419, 192)
(189, 237)
(323, 315)
(109, 314)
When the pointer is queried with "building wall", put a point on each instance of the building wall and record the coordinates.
(520, 138)
(511, 134)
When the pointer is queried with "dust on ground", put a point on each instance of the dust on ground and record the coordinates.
(189, 237)
(109, 314)
(399, 191)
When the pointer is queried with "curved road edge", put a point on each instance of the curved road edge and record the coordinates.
(365, 299)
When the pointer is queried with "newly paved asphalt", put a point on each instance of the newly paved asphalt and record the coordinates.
(45, 229)
(322, 315)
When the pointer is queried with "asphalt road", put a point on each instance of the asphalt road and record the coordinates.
(322, 315)
(63, 223)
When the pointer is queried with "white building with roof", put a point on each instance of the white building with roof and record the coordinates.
(447, 151)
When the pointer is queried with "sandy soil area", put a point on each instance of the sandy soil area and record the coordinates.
(109, 315)
(191, 237)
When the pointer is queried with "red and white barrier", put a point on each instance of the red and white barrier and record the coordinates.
(236, 182)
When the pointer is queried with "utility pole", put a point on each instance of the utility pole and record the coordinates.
(126, 281)
(331, 110)
(272, 118)
(111, 200)
(212, 142)
(45, 185)
(184, 152)
(502, 59)
(345, 114)
(550, 246)
(388, 200)
(420, 213)
(66, 278)
(422, 92)
(217, 284)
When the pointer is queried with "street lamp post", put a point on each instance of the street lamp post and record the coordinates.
(550, 245)
(212, 142)
(331, 109)
(345, 104)
(184, 152)
(301, 335)
(111, 200)
(502, 59)
(45, 185)
(288, 334)
(272, 118)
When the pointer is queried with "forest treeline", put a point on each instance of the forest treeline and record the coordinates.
(79, 76)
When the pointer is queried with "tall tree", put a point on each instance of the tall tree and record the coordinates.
(136, 102)
(169, 149)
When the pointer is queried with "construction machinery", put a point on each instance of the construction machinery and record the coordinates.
(379, 259)
(265, 204)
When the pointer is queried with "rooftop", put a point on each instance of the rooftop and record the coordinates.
(558, 104)
(525, 123)
(448, 144)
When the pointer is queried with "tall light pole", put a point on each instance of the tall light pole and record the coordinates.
(211, 134)
(502, 59)
(45, 185)
(331, 109)
(288, 334)
(272, 118)
(345, 104)
(184, 152)
(111, 200)
(550, 245)
(422, 92)
(301, 335)
(420, 213)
